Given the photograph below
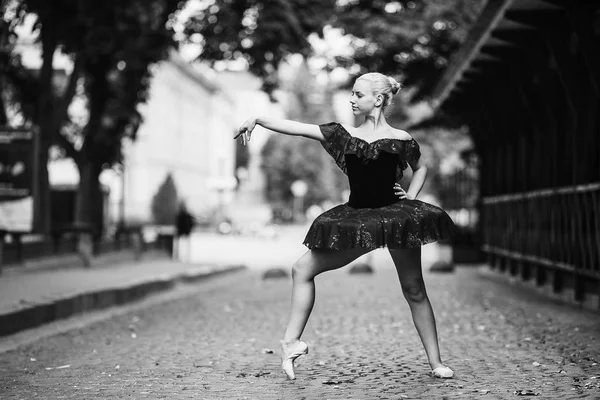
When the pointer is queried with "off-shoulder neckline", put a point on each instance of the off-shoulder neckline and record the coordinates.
(376, 140)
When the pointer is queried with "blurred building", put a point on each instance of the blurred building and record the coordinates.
(250, 204)
(187, 132)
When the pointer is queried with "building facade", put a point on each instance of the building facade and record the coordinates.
(187, 132)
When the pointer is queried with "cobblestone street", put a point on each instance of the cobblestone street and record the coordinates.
(502, 342)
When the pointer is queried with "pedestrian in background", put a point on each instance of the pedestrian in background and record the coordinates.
(184, 223)
(379, 212)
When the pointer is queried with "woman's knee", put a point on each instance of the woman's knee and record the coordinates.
(302, 270)
(414, 290)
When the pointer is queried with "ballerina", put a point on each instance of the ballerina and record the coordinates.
(379, 212)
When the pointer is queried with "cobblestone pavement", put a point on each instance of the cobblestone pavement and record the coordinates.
(500, 340)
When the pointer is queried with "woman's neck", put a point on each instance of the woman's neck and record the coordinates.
(374, 122)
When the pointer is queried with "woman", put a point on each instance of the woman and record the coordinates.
(379, 213)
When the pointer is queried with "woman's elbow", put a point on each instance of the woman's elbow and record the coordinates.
(421, 169)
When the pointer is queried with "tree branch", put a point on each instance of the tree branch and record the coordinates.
(60, 111)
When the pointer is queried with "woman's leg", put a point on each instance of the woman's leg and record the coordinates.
(408, 266)
(311, 264)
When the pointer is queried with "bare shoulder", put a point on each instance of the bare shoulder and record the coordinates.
(348, 128)
(400, 134)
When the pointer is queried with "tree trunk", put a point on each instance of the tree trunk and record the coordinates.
(45, 120)
(3, 116)
(88, 210)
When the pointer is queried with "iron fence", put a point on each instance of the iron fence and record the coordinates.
(557, 228)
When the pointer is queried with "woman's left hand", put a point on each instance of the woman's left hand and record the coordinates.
(401, 192)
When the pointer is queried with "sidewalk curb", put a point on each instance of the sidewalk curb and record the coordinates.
(43, 313)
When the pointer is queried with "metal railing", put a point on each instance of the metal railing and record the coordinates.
(558, 227)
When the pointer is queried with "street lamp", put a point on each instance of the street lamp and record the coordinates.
(299, 189)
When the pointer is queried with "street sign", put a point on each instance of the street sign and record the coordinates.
(18, 165)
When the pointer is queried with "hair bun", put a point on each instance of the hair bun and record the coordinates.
(395, 85)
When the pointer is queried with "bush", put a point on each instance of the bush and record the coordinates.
(165, 203)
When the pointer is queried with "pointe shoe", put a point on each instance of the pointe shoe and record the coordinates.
(289, 353)
(442, 372)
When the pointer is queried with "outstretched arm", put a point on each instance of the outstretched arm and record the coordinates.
(284, 126)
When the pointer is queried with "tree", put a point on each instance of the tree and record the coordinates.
(32, 93)
(165, 202)
(122, 39)
(112, 44)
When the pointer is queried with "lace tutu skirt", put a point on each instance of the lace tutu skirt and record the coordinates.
(404, 224)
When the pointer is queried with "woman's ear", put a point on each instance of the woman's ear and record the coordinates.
(379, 100)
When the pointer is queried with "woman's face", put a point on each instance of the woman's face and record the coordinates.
(363, 100)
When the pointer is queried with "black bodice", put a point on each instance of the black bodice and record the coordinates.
(372, 181)
(372, 167)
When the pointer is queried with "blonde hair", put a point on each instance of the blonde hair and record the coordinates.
(384, 85)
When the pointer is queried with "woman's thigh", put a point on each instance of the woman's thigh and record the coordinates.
(316, 261)
(408, 266)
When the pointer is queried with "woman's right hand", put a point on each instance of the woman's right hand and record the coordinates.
(401, 193)
(245, 130)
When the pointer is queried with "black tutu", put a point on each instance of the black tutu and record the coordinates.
(405, 224)
(374, 216)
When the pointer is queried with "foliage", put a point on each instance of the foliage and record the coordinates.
(165, 202)
(263, 32)
(119, 42)
(19, 86)
(112, 44)
(413, 39)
